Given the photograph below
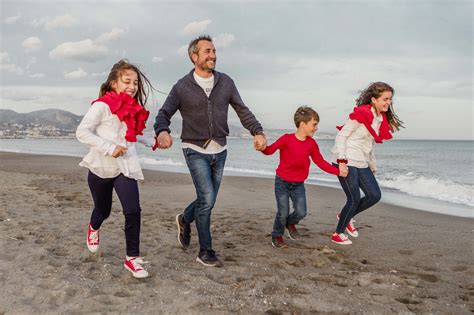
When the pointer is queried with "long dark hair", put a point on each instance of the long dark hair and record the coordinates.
(375, 90)
(144, 85)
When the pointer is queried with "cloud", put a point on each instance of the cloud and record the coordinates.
(36, 75)
(4, 57)
(113, 35)
(76, 74)
(100, 74)
(85, 50)
(39, 22)
(11, 20)
(31, 43)
(223, 40)
(63, 21)
(183, 50)
(195, 27)
(11, 68)
(157, 59)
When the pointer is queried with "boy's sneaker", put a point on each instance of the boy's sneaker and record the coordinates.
(279, 242)
(208, 258)
(350, 228)
(293, 233)
(341, 239)
(134, 265)
(184, 231)
(92, 239)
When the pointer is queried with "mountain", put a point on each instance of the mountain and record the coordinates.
(60, 123)
(55, 118)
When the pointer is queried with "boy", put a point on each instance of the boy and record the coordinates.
(295, 152)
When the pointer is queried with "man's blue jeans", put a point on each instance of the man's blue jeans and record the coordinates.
(365, 179)
(206, 171)
(284, 191)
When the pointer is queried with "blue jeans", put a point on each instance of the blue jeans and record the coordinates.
(206, 171)
(364, 179)
(284, 191)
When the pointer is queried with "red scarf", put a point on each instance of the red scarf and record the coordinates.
(127, 110)
(364, 115)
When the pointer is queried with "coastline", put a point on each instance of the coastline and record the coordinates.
(404, 260)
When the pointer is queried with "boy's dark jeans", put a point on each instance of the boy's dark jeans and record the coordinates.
(284, 191)
(364, 179)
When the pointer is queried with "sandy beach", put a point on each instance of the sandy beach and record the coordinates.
(404, 260)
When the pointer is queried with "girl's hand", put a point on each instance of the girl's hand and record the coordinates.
(119, 151)
(343, 170)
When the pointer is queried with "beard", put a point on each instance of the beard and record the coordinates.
(209, 68)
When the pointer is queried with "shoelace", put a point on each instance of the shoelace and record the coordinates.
(343, 236)
(94, 237)
(137, 262)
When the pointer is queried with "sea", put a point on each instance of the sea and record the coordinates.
(426, 175)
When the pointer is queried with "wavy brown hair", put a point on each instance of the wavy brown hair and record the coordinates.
(375, 90)
(144, 85)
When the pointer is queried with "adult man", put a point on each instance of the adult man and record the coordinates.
(203, 97)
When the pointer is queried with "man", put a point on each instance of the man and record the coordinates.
(203, 97)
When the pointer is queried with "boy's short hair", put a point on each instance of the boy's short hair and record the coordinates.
(305, 114)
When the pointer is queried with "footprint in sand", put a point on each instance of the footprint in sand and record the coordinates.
(459, 268)
(428, 277)
(406, 252)
(408, 300)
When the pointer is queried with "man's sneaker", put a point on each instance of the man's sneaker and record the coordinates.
(350, 228)
(134, 265)
(92, 239)
(184, 231)
(341, 239)
(279, 242)
(293, 233)
(208, 258)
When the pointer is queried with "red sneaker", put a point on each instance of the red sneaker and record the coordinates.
(92, 239)
(340, 238)
(293, 233)
(279, 242)
(350, 228)
(134, 265)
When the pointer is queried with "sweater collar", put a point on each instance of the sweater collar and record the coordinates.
(190, 76)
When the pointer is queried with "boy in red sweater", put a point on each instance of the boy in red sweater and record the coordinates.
(296, 149)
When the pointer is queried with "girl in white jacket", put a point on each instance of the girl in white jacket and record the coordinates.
(110, 128)
(372, 121)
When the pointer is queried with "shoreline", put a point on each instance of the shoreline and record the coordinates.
(389, 195)
(403, 261)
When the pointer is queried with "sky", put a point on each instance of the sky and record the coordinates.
(281, 54)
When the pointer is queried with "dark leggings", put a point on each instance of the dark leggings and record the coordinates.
(364, 179)
(127, 192)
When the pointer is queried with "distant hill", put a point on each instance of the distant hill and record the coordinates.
(57, 118)
(60, 123)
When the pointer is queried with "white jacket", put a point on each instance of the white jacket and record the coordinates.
(102, 131)
(355, 143)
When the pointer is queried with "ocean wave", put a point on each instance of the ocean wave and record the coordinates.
(434, 188)
(168, 162)
(248, 171)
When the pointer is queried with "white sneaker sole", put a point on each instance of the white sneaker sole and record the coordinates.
(217, 264)
(348, 242)
(356, 234)
(137, 275)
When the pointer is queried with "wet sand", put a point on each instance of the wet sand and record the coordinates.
(404, 260)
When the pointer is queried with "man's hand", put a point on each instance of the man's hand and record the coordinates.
(259, 142)
(164, 140)
(119, 151)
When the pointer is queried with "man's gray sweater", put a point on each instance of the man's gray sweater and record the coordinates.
(204, 118)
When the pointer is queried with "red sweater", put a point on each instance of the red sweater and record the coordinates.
(294, 158)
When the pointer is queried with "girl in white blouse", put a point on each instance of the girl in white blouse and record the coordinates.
(110, 128)
(372, 120)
